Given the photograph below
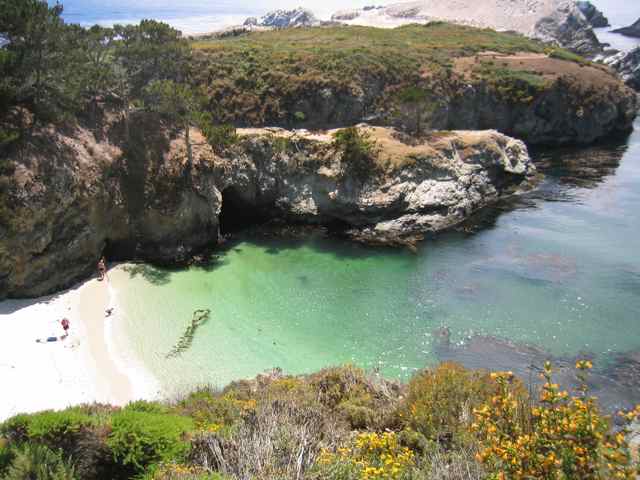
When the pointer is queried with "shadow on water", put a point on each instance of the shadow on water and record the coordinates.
(584, 167)
(154, 275)
(275, 239)
(566, 170)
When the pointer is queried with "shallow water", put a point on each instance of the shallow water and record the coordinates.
(557, 268)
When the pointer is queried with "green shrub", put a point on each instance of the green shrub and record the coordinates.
(56, 429)
(6, 456)
(358, 150)
(145, 406)
(220, 137)
(139, 439)
(562, 54)
(439, 402)
(214, 412)
(176, 471)
(38, 462)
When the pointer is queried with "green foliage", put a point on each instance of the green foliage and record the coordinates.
(561, 437)
(439, 402)
(38, 462)
(260, 78)
(220, 137)
(357, 149)
(7, 455)
(299, 116)
(178, 101)
(213, 412)
(145, 407)
(420, 100)
(49, 427)
(139, 439)
(562, 54)
(512, 85)
(151, 51)
(371, 456)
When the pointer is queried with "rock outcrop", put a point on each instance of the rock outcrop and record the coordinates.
(73, 197)
(630, 31)
(594, 16)
(299, 17)
(560, 21)
(627, 64)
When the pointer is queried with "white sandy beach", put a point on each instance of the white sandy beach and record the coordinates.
(85, 367)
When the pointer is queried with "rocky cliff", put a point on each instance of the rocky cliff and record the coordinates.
(560, 21)
(72, 196)
(299, 17)
(330, 77)
(627, 64)
(630, 31)
(594, 16)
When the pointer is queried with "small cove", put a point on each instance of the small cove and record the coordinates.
(556, 269)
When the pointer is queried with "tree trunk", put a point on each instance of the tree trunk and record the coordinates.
(187, 140)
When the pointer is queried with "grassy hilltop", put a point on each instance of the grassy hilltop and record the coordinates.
(287, 77)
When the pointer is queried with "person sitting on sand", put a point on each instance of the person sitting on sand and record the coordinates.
(102, 268)
(52, 339)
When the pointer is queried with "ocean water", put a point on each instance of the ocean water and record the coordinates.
(201, 16)
(557, 268)
(189, 16)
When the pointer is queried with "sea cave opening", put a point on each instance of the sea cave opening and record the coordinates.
(240, 211)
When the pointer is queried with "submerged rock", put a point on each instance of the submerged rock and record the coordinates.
(614, 383)
(74, 197)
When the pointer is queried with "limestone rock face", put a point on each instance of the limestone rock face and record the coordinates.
(630, 31)
(75, 197)
(594, 16)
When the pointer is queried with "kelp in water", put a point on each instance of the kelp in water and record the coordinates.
(200, 317)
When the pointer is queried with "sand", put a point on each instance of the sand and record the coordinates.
(85, 367)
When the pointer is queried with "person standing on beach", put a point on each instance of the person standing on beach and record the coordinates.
(65, 326)
(102, 268)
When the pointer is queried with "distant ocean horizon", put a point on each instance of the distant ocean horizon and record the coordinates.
(189, 16)
(201, 16)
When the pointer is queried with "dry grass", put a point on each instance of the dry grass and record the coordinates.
(540, 64)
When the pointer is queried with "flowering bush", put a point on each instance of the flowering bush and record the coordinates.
(563, 437)
(439, 402)
(371, 456)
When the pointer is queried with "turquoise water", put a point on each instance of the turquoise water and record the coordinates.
(557, 268)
